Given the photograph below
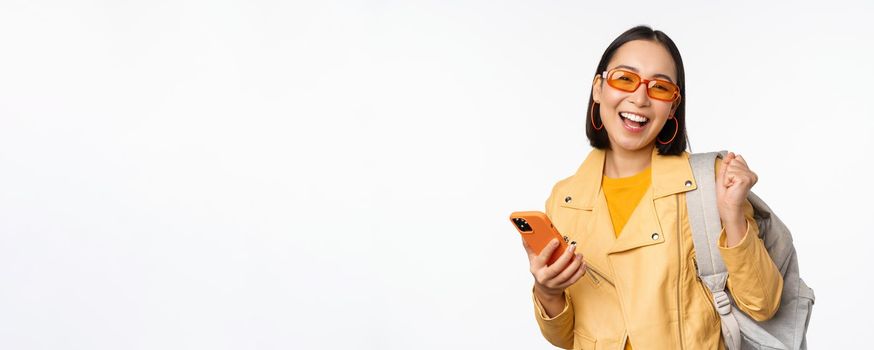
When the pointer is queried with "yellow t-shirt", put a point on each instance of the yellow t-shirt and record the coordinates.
(623, 194)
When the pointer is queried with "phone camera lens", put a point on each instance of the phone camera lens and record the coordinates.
(522, 224)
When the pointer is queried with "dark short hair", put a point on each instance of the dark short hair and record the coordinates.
(598, 138)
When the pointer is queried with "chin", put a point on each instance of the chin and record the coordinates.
(632, 145)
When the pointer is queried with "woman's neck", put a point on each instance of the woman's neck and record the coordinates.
(625, 163)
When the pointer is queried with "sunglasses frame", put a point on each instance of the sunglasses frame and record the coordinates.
(642, 81)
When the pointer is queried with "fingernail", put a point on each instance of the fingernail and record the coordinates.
(553, 242)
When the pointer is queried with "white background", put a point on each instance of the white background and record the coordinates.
(330, 175)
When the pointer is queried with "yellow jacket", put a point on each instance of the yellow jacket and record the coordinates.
(643, 285)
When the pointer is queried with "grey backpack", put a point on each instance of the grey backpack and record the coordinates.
(788, 328)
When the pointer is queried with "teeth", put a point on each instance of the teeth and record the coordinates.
(633, 117)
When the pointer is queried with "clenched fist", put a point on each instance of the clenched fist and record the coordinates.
(734, 180)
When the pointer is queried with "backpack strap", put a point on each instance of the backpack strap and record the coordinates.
(706, 227)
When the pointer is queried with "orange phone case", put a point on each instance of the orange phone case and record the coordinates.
(537, 231)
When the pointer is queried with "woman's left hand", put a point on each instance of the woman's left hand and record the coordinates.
(733, 184)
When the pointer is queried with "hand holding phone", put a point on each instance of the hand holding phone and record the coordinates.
(537, 231)
(553, 262)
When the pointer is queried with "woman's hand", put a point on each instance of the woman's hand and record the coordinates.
(550, 281)
(733, 184)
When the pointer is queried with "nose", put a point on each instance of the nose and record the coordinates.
(639, 97)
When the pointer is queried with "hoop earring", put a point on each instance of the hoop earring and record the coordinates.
(593, 118)
(676, 129)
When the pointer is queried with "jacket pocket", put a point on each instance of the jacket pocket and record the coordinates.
(705, 291)
(583, 342)
(708, 296)
(596, 277)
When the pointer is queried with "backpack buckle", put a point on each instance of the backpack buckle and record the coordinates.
(723, 304)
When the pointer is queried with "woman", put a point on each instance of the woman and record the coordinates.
(625, 211)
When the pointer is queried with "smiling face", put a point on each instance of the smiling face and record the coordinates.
(633, 120)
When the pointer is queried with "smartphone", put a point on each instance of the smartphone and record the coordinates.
(537, 231)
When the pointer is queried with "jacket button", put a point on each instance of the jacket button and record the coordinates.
(567, 199)
(655, 236)
(688, 183)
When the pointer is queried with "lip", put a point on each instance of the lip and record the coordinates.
(638, 113)
(630, 128)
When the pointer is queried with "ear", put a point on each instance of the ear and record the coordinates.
(676, 105)
(596, 89)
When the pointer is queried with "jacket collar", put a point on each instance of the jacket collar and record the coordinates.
(670, 175)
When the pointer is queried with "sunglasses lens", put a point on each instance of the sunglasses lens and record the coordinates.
(662, 90)
(622, 80)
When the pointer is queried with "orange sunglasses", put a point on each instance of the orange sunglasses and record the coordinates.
(627, 81)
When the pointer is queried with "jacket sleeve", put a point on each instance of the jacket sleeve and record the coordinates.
(558, 330)
(753, 279)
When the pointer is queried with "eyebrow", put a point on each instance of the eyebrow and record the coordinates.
(658, 75)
